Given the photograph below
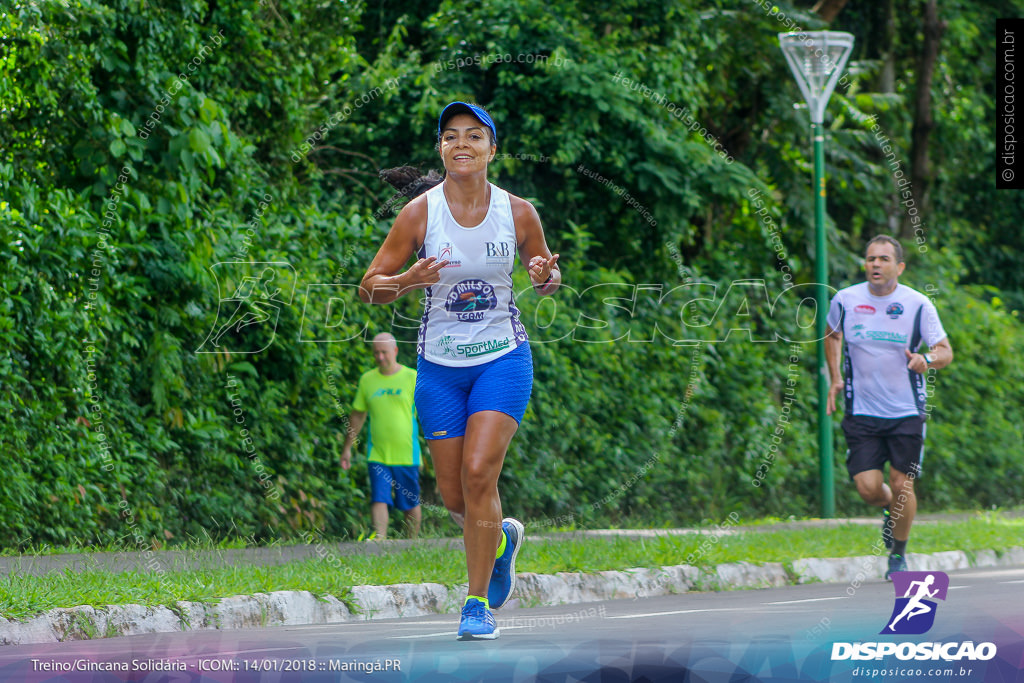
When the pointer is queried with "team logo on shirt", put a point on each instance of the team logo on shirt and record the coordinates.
(894, 310)
(445, 253)
(865, 309)
(469, 300)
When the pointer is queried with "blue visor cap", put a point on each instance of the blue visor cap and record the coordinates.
(465, 108)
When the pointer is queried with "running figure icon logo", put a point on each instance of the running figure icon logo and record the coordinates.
(914, 612)
(251, 298)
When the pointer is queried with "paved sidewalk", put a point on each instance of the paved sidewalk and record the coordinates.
(291, 608)
(369, 602)
(177, 560)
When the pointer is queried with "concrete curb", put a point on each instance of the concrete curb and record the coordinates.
(291, 608)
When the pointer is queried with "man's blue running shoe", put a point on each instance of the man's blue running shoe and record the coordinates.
(503, 578)
(897, 563)
(477, 622)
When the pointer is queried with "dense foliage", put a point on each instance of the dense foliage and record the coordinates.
(156, 158)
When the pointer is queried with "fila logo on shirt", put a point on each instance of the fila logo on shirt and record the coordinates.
(387, 392)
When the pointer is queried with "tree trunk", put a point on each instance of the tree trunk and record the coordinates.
(920, 163)
(828, 9)
(887, 51)
(885, 28)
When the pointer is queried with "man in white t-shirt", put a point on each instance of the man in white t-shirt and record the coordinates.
(884, 324)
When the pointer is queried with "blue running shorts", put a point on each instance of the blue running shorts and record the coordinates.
(447, 396)
(403, 480)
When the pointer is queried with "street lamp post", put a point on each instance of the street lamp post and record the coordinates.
(817, 59)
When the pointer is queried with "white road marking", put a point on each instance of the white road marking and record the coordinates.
(680, 611)
(794, 602)
(234, 653)
(425, 635)
(995, 573)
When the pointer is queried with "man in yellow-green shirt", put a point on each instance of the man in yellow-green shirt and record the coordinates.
(393, 450)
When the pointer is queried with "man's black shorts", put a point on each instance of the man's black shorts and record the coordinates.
(874, 440)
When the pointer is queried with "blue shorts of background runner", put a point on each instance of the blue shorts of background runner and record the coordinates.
(400, 481)
(447, 396)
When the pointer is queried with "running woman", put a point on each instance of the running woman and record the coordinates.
(883, 324)
(475, 368)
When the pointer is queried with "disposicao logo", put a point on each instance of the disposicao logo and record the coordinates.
(914, 614)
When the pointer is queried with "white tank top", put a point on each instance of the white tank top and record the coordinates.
(470, 316)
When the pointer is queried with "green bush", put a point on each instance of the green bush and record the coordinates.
(126, 233)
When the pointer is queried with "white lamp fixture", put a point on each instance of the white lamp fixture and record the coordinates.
(816, 59)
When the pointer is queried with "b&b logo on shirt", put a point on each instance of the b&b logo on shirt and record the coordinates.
(498, 253)
(470, 299)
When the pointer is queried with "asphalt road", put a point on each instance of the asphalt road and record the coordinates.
(780, 634)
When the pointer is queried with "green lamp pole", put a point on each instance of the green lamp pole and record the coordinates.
(817, 59)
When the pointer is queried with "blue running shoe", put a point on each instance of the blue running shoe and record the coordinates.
(477, 622)
(897, 563)
(887, 525)
(503, 578)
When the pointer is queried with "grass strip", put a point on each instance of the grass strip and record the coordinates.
(23, 596)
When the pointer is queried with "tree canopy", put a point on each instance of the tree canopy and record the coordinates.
(157, 158)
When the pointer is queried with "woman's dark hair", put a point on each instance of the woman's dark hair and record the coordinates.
(409, 181)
